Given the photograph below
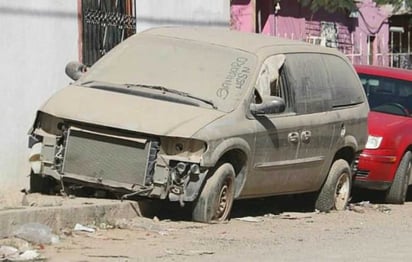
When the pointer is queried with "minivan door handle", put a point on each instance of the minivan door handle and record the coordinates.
(305, 136)
(293, 137)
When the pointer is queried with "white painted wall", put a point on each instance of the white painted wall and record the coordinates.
(151, 13)
(38, 38)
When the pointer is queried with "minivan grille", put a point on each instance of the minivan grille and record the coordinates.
(105, 158)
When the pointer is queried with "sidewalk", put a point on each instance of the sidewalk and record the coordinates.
(61, 212)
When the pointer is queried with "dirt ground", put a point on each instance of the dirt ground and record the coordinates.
(272, 229)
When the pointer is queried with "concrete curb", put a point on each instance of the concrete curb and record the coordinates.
(67, 213)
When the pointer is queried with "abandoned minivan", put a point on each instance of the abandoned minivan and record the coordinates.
(204, 116)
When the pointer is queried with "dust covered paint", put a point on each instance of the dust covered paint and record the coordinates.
(203, 116)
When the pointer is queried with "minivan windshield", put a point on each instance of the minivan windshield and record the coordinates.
(204, 71)
(388, 95)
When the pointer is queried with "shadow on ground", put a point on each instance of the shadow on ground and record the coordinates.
(374, 196)
(302, 203)
(241, 208)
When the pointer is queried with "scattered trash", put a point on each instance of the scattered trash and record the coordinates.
(20, 244)
(249, 219)
(8, 253)
(363, 204)
(36, 233)
(361, 207)
(105, 226)
(294, 215)
(384, 209)
(29, 255)
(79, 227)
(142, 223)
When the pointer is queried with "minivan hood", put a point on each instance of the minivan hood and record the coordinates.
(380, 124)
(129, 112)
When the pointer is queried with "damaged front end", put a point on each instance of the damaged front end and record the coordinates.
(127, 164)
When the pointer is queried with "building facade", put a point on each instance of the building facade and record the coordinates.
(363, 35)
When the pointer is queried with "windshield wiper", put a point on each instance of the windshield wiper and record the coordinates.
(173, 91)
(128, 88)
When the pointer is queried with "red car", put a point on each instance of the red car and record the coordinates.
(385, 164)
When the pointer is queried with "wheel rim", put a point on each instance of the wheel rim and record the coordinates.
(342, 192)
(224, 201)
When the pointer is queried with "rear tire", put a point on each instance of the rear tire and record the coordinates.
(216, 199)
(396, 194)
(335, 191)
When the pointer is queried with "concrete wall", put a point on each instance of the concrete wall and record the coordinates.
(151, 13)
(38, 38)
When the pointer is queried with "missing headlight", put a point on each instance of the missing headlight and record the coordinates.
(182, 147)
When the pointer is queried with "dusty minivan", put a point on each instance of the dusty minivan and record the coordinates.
(202, 117)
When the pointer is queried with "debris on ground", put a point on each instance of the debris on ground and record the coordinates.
(20, 244)
(13, 254)
(80, 227)
(286, 215)
(15, 249)
(36, 233)
(250, 219)
(294, 215)
(363, 206)
(142, 223)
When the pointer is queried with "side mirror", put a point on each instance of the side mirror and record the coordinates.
(75, 70)
(269, 105)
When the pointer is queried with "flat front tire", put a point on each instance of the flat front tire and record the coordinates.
(335, 192)
(216, 199)
(396, 194)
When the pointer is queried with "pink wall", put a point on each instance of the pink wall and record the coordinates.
(373, 21)
(294, 22)
(242, 15)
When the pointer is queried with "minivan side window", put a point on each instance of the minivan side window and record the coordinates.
(343, 81)
(267, 82)
(307, 77)
(272, 81)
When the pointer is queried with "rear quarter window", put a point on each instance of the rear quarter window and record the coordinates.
(343, 81)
